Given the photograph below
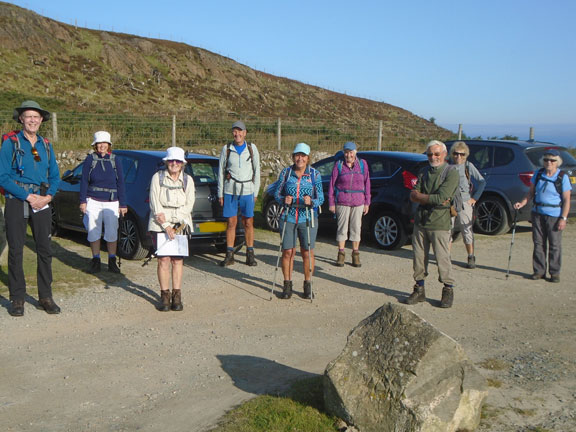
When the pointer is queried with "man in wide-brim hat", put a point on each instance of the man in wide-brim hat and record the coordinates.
(30, 177)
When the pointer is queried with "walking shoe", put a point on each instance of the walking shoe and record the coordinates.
(164, 305)
(417, 296)
(112, 266)
(447, 297)
(49, 306)
(16, 308)
(287, 290)
(250, 260)
(177, 300)
(356, 259)
(94, 266)
(537, 276)
(555, 278)
(340, 259)
(229, 260)
(307, 290)
(471, 262)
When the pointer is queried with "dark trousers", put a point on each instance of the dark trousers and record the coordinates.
(545, 235)
(16, 224)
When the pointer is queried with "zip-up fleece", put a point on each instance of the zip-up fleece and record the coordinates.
(240, 168)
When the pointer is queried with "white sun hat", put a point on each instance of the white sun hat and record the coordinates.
(175, 153)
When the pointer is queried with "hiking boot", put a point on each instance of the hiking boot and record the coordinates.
(16, 308)
(164, 305)
(340, 259)
(307, 290)
(250, 260)
(49, 306)
(177, 300)
(447, 297)
(417, 296)
(471, 262)
(229, 260)
(536, 276)
(356, 259)
(112, 266)
(95, 266)
(555, 278)
(287, 290)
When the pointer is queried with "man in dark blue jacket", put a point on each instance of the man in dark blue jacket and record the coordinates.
(30, 177)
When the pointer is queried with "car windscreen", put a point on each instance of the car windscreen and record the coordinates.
(535, 154)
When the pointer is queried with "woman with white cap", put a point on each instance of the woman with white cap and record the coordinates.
(300, 192)
(172, 198)
(102, 200)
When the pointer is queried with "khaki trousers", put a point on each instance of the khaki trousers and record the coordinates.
(422, 239)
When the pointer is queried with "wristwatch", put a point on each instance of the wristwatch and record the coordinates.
(564, 218)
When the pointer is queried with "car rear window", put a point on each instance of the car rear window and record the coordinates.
(535, 154)
(203, 172)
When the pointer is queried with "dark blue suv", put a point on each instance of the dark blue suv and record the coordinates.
(139, 167)
(392, 177)
(508, 167)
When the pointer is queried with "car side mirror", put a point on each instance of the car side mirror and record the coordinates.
(68, 174)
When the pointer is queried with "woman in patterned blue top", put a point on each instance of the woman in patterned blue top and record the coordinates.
(300, 192)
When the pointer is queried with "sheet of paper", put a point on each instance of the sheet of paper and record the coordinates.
(43, 208)
(176, 247)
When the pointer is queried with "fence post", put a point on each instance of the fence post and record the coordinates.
(173, 131)
(279, 133)
(460, 131)
(531, 134)
(54, 127)
(380, 125)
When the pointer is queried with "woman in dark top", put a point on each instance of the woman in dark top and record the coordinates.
(102, 199)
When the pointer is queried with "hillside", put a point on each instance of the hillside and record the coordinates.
(68, 68)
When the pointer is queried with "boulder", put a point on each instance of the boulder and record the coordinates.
(399, 373)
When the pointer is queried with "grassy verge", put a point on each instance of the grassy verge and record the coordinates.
(299, 410)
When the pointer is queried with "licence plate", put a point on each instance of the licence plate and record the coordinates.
(211, 226)
(573, 180)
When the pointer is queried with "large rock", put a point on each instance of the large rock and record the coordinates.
(399, 373)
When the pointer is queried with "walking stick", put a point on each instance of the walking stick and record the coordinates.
(120, 231)
(512, 242)
(283, 211)
(308, 214)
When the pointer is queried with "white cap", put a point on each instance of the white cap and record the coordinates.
(101, 136)
(175, 153)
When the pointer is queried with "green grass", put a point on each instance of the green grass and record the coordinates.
(299, 410)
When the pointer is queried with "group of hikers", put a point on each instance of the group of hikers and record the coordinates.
(444, 197)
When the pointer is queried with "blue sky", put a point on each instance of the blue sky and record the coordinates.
(497, 67)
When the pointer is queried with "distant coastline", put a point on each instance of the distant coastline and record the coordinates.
(561, 134)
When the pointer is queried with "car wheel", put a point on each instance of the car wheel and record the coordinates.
(492, 216)
(388, 231)
(129, 241)
(272, 214)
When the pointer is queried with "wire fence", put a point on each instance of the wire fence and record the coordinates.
(73, 130)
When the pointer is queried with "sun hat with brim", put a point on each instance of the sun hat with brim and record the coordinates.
(175, 153)
(100, 137)
(30, 105)
(302, 148)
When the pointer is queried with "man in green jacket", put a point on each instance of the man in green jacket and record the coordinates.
(435, 188)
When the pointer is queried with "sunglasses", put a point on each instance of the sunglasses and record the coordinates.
(433, 154)
(176, 161)
(550, 160)
(459, 154)
(36, 155)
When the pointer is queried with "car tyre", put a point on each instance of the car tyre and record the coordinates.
(388, 231)
(492, 216)
(129, 241)
(272, 213)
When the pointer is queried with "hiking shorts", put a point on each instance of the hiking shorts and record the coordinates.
(238, 203)
(292, 230)
(101, 216)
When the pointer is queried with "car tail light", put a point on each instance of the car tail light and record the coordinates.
(409, 179)
(526, 177)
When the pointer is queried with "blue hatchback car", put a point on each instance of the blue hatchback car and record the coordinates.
(139, 167)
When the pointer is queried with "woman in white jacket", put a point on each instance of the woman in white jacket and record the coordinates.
(171, 202)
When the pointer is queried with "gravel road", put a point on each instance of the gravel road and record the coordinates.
(111, 362)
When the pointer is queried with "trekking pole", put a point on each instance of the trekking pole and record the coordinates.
(119, 232)
(282, 212)
(512, 242)
(309, 213)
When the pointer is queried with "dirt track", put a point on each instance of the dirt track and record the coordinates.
(110, 361)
